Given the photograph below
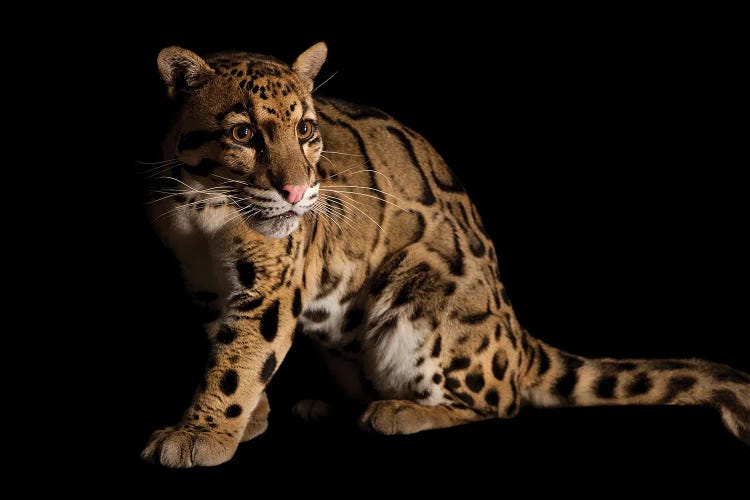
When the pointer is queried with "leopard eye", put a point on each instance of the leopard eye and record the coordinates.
(242, 133)
(305, 130)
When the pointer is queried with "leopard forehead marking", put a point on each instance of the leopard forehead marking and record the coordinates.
(272, 89)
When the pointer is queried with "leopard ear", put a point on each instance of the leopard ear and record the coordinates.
(309, 63)
(182, 70)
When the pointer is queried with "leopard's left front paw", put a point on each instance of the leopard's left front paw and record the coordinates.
(181, 447)
(393, 417)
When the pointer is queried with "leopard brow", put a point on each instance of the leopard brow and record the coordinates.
(242, 109)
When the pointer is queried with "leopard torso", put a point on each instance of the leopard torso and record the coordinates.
(358, 235)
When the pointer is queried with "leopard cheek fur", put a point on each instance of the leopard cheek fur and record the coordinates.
(372, 248)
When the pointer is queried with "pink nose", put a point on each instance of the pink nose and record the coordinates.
(293, 193)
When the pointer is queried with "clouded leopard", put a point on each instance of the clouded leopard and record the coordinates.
(293, 215)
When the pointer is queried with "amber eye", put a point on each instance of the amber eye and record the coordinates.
(305, 130)
(242, 133)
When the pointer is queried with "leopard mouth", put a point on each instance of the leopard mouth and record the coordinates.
(286, 215)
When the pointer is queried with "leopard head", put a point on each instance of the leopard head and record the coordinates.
(246, 128)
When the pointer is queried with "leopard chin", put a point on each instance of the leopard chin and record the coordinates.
(279, 226)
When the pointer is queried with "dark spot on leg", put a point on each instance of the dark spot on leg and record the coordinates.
(233, 411)
(437, 378)
(269, 322)
(268, 368)
(452, 383)
(228, 383)
(492, 398)
(475, 382)
(420, 360)
(246, 273)
(459, 363)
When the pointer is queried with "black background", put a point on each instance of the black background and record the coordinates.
(618, 214)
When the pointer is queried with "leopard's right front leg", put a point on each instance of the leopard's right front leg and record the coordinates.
(247, 347)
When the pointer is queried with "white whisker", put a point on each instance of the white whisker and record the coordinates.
(371, 189)
(362, 171)
(231, 180)
(362, 212)
(324, 82)
(366, 195)
(340, 153)
(187, 205)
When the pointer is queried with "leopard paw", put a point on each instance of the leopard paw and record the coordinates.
(312, 409)
(179, 447)
(393, 417)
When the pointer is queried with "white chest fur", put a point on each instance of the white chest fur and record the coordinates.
(193, 236)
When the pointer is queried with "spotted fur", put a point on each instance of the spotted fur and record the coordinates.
(384, 261)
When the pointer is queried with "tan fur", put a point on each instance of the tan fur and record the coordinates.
(389, 268)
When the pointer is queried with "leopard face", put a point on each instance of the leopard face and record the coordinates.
(246, 129)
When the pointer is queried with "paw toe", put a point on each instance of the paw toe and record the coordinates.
(179, 448)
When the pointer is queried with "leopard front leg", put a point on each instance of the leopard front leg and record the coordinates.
(247, 346)
(258, 422)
